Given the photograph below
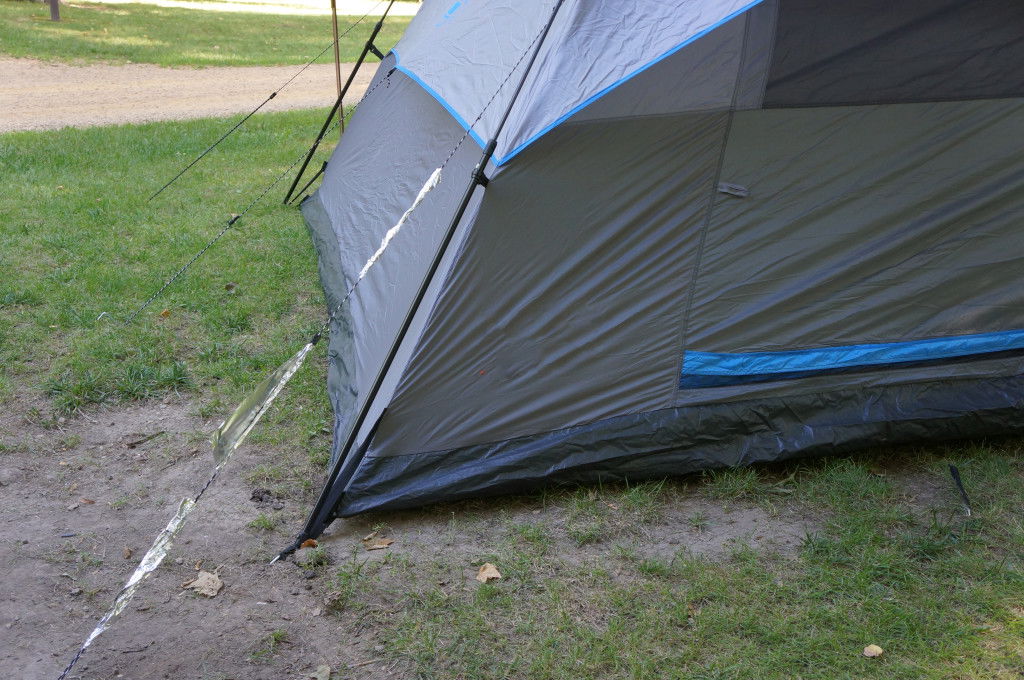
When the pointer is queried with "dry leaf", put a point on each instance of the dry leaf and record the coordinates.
(87, 501)
(377, 543)
(322, 672)
(873, 651)
(488, 572)
(198, 565)
(166, 313)
(367, 537)
(127, 553)
(205, 583)
(309, 543)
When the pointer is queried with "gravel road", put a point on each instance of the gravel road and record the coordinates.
(36, 95)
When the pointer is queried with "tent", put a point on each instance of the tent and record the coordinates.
(703, 233)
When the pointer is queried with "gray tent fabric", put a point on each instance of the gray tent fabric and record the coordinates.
(713, 233)
(594, 46)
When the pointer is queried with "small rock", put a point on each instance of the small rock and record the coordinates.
(73, 506)
(76, 591)
(179, 561)
(260, 495)
(308, 574)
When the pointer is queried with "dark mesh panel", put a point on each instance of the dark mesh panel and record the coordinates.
(831, 52)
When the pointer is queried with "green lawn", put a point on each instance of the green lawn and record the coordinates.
(77, 229)
(583, 596)
(178, 37)
(940, 593)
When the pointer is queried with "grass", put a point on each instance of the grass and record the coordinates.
(178, 37)
(939, 592)
(86, 245)
(269, 645)
(589, 590)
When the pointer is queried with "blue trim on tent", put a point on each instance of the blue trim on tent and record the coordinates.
(502, 160)
(622, 80)
(441, 100)
(848, 356)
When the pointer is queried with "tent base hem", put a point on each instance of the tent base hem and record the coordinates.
(689, 439)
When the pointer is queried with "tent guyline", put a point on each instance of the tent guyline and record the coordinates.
(272, 95)
(230, 223)
(368, 47)
(345, 463)
(153, 557)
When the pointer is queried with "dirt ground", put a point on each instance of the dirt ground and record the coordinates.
(77, 499)
(37, 95)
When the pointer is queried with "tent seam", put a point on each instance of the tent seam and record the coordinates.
(712, 192)
(500, 161)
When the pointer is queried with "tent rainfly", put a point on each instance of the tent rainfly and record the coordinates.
(704, 233)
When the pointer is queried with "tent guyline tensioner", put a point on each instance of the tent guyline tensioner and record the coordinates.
(344, 466)
(272, 95)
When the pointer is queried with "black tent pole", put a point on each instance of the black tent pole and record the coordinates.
(367, 48)
(323, 511)
(312, 179)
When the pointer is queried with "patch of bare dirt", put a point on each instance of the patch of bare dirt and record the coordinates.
(82, 502)
(38, 95)
(83, 499)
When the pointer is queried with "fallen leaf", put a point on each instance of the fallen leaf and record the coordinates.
(367, 537)
(488, 572)
(205, 583)
(378, 543)
(166, 313)
(309, 543)
(127, 552)
(612, 506)
(198, 565)
(873, 651)
(322, 672)
(87, 501)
